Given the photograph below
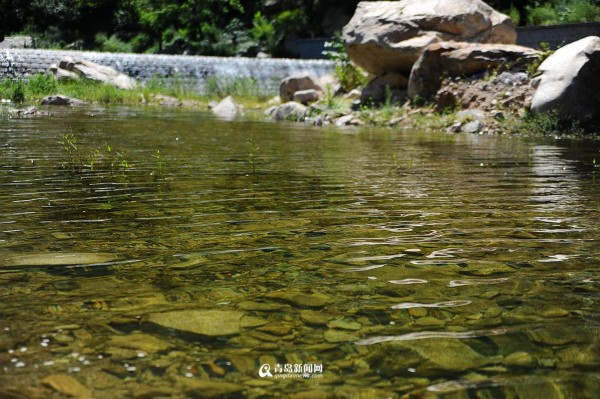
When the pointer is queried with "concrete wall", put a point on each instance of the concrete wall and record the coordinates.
(188, 71)
(555, 35)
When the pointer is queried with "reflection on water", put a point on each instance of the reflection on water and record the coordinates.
(262, 260)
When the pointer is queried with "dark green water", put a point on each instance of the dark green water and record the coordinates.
(405, 264)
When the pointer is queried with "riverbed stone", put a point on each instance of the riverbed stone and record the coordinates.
(56, 258)
(205, 389)
(210, 322)
(301, 298)
(339, 336)
(389, 36)
(520, 359)
(435, 355)
(290, 111)
(226, 108)
(67, 385)
(139, 341)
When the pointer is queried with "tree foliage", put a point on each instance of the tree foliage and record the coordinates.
(220, 27)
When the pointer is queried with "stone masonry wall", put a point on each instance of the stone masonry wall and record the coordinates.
(189, 71)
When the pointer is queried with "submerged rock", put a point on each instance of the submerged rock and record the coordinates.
(206, 389)
(67, 385)
(210, 322)
(57, 259)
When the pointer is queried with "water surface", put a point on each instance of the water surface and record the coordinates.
(198, 254)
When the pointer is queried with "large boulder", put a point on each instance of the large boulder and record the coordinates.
(70, 68)
(569, 83)
(389, 36)
(463, 59)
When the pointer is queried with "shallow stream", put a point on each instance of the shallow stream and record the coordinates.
(150, 253)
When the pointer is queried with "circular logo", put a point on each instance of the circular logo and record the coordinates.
(265, 371)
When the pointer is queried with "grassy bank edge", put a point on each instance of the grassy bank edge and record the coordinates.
(410, 115)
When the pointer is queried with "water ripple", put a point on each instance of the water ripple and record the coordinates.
(432, 334)
(445, 304)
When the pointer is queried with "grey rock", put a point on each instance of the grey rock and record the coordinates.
(570, 82)
(292, 84)
(472, 127)
(59, 99)
(306, 96)
(291, 111)
(227, 108)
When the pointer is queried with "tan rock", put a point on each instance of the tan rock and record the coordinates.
(292, 84)
(462, 59)
(210, 322)
(67, 385)
(389, 36)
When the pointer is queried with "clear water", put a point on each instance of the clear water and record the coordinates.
(406, 264)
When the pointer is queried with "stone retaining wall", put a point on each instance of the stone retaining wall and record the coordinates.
(189, 71)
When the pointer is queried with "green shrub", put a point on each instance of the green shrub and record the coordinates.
(542, 15)
(347, 74)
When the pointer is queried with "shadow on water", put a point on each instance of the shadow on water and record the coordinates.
(359, 263)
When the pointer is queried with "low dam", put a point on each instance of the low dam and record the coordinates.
(189, 71)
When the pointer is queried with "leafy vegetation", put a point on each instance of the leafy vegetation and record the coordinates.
(347, 74)
(218, 27)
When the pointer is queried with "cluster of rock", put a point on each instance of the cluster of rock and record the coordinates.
(459, 54)
(68, 68)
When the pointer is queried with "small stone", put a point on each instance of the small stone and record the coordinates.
(205, 389)
(301, 298)
(429, 322)
(520, 359)
(306, 96)
(279, 329)
(226, 108)
(472, 127)
(314, 317)
(338, 336)
(261, 306)
(555, 312)
(210, 322)
(139, 341)
(59, 99)
(344, 324)
(67, 385)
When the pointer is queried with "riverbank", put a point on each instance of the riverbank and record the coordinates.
(495, 104)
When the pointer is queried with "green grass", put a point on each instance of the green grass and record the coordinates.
(246, 91)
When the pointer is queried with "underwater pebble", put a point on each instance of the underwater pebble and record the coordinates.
(344, 324)
(67, 385)
(520, 359)
(338, 336)
(210, 322)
